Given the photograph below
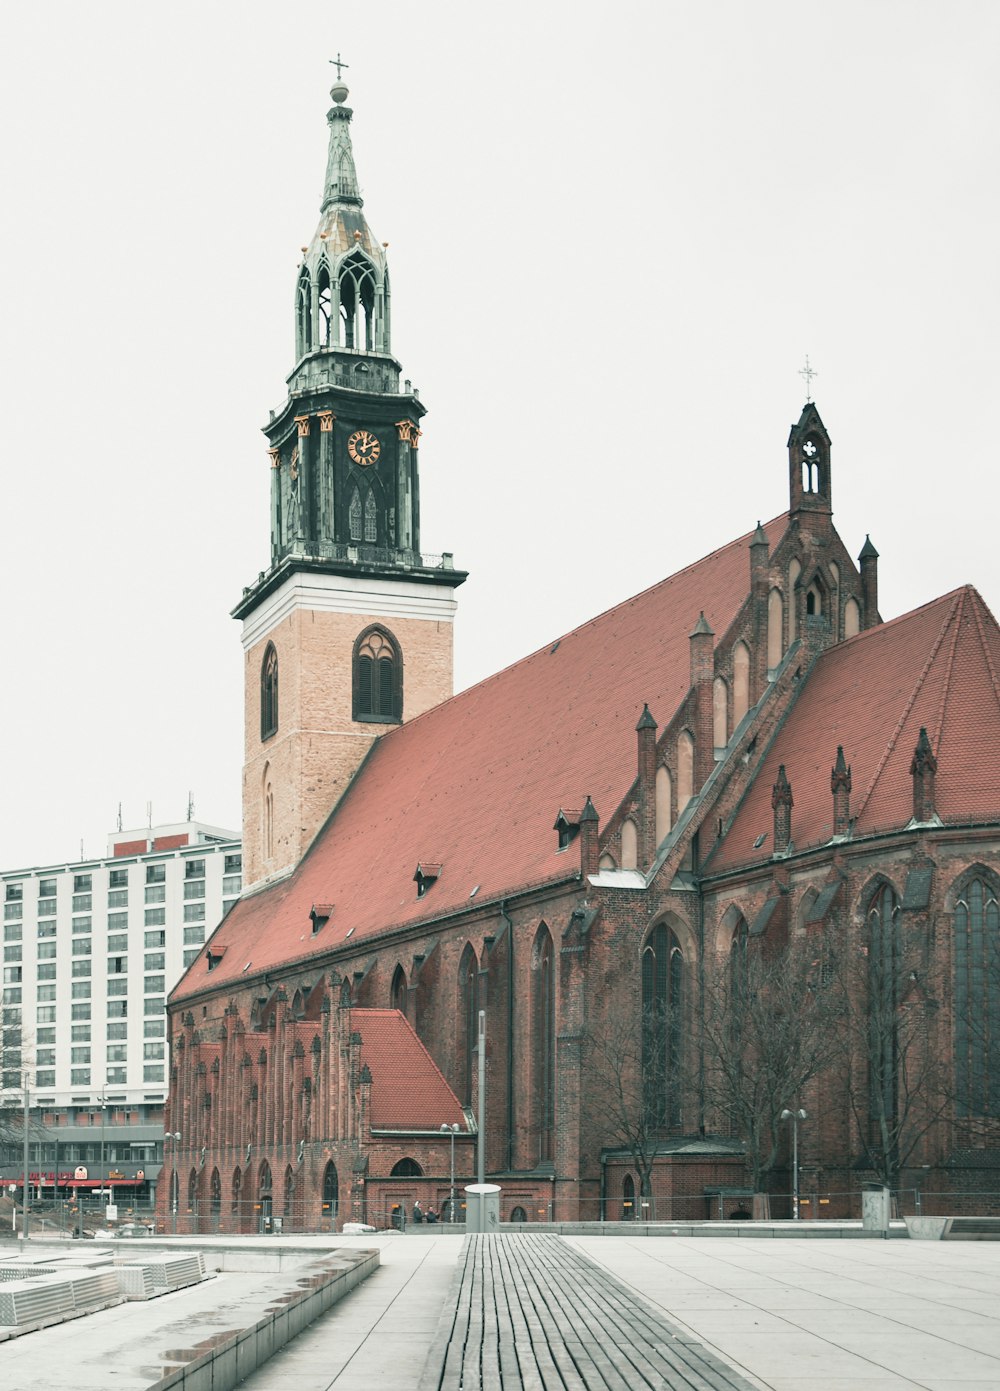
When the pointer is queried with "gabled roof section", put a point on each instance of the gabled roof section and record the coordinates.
(475, 779)
(409, 1091)
(935, 668)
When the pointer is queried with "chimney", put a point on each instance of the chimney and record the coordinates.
(868, 560)
(702, 641)
(781, 801)
(646, 739)
(922, 770)
(840, 786)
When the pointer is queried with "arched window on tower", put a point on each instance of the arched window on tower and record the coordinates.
(977, 999)
(356, 282)
(378, 677)
(269, 693)
(398, 990)
(543, 1021)
(355, 516)
(371, 518)
(662, 1027)
(325, 300)
(303, 313)
(468, 1021)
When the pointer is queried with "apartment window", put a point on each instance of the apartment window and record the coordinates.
(13, 932)
(47, 888)
(45, 992)
(12, 953)
(80, 1033)
(46, 951)
(154, 1004)
(156, 893)
(118, 985)
(81, 924)
(79, 1055)
(46, 1057)
(45, 1036)
(232, 884)
(44, 1014)
(233, 864)
(117, 1031)
(154, 984)
(46, 970)
(118, 898)
(153, 1073)
(117, 921)
(153, 1050)
(155, 939)
(117, 965)
(118, 1009)
(46, 907)
(194, 869)
(194, 912)
(117, 1052)
(45, 1079)
(80, 989)
(155, 916)
(13, 910)
(12, 995)
(11, 974)
(82, 903)
(82, 967)
(193, 934)
(47, 929)
(156, 961)
(194, 888)
(81, 946)
(82, 883)
(117, 1076)
(190, 955)
(80, 1012)
(118, 942)
(154, 1028)
(118, 879)
(80, 1077)
(156, 874)
(15, 892)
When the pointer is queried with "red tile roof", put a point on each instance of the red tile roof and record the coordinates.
(477, 781)
(936, 667)
(408, 1090)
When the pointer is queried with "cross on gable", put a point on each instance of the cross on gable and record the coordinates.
(338, 64)
(808, 372)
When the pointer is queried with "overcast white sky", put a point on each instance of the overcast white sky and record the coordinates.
(615, 231)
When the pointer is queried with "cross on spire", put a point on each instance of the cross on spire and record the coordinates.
(338, 63)
(808, 372)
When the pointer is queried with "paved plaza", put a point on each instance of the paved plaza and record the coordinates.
(790, 1315)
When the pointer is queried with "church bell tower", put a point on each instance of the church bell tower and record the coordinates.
(349, 630)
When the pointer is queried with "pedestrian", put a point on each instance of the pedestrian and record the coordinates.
(418, 1212)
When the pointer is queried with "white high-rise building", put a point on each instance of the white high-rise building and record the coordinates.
(90, 952)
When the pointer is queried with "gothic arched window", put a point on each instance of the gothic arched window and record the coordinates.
(237, 1190)
(543, 1024)
(662, 1026)
(977, 1000)
(468, 1020)
(215, 1193)
(378, 677)
(269, 693)
(628, 1198)
(356, 282)
(406, 1168)
(331, 1190)
(398, 992)
(325, 298)
(882, 924)
(371, 517)
(303, 314)
(355, 516)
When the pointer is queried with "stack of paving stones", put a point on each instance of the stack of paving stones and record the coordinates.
(529, 1313)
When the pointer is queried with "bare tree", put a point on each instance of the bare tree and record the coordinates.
(768, 1032)
(627, 1083)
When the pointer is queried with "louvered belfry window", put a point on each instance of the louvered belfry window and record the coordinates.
(378, 677)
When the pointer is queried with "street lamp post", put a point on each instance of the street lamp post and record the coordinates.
(104, 1104)
(24, 1191)
(794, 1117)
(452, 1130)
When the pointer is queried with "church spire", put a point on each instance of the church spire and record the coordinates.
(341, 184)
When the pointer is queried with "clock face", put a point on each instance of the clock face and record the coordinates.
(364, 447)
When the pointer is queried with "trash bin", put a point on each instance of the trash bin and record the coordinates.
(482, 1207)
(875, 1208)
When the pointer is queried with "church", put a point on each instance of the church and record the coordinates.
(723, 858)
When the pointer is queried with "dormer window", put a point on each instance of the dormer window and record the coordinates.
(320, 914)
(425, 875)
(567, 824)
(213, 956)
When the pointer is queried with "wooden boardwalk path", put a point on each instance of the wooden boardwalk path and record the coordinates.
(530, 1313)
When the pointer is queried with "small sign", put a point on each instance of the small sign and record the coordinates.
(111, 1212)
(80, 1171)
